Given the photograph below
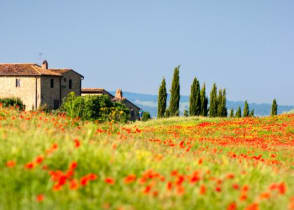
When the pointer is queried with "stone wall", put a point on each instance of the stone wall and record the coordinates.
(28, 91)
(50, 96)
(76, 84)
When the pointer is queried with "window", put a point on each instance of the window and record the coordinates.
(17, 83)
(70, 84)
(52, 83)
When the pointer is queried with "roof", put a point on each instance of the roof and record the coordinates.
(96, 91)
(30, 69)
(115, 99)
(103, 91)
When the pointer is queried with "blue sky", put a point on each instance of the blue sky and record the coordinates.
(246, 47)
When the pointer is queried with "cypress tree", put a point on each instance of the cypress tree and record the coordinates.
(238, 113)
(232, 113)
(274, 108)
(224, 104)
(251, 113)
(246, 110)
(162, 95)
(220, 103)
(175, 94)
(204, 101)
(213, 102)
(195, 102)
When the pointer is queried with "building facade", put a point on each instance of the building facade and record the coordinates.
(38, 85)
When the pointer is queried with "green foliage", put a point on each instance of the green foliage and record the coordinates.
(167, 113)
(238, 113)
(146, 116)
(186, 113)
(12, 102)
(251, 113)
(274, 108)
(232, 113)
(162, 95)
(175, 93)
(99, 108)
(213, 104)
(204, 101)
(246, 109)
(195, 101)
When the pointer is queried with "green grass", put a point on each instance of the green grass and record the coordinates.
(186, 152)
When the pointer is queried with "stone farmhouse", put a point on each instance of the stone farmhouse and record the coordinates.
(134, 110)
(38, 85)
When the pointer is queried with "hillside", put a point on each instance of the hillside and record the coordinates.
(149, 103)
(53, 162)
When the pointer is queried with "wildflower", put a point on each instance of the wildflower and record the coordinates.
(232, 206)
(10, 164)
(282, 188)
(77, 143)
(73, 184)
(265, 195)
(235, 186)
(253, 206)
(169, 186)
(30, 165)
(218, 189)
(202, 190)
(109, 180)
(40, 198)
(73, 165)
(84, 180)
(39, 159)
(147, 189)
(130, 178)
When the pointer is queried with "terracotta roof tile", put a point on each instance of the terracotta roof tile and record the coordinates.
(30, 69)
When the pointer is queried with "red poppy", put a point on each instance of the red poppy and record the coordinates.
(232, 206)
(40, 198)
(30, 165)
(130, 178)
(10, 164)
(109, 180)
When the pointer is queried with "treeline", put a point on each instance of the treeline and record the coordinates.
(198, 103)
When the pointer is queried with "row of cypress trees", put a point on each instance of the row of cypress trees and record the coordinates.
(198, 105)
(174, 105)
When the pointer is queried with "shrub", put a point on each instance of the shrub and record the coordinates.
(146, 116)
(12, 102)
(99, 108)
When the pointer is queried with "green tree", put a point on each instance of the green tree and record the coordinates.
(246, 109)
(186, 113)
(238, 113)
(204, 101)
(146, 116)
(213, 102)
(224, 112)
(251, 113)
(232, 113)
(175, 93)
(195, 101)
(274, 108)
(162, 95)
(220, 103)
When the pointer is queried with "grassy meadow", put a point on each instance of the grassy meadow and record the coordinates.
(53, 162)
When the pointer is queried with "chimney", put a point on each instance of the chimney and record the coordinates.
(119, 94)
(45, 65)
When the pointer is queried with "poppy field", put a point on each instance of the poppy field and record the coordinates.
(54, 162)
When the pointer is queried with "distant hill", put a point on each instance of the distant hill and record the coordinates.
(148, 103)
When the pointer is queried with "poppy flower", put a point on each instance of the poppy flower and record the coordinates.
(10, 164)
(109, 180)
(40, 198)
